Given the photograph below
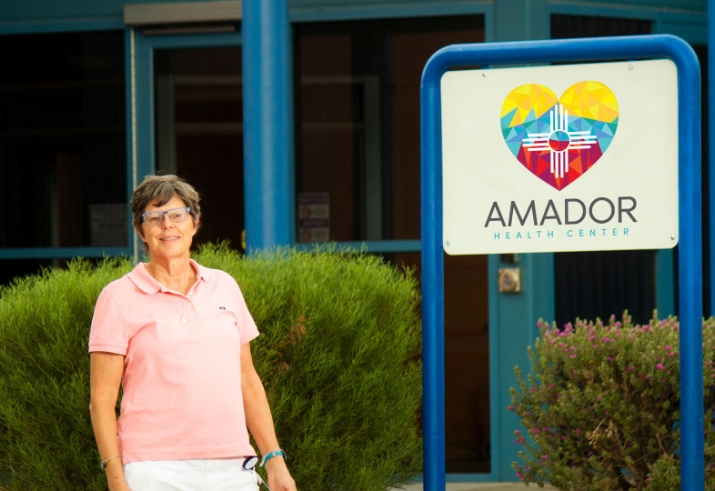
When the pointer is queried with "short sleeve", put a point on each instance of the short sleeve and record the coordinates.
(108, 332)
(247, 329)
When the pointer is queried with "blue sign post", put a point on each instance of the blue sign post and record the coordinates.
(690, 229)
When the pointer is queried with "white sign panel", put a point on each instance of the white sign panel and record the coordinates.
(560, 158)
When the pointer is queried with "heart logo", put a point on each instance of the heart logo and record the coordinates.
(559, 140)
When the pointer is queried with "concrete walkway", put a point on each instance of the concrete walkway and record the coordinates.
(482, 486)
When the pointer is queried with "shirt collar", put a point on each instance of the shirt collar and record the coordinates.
(145, 282)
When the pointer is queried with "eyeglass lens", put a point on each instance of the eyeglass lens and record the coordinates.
(176, 215)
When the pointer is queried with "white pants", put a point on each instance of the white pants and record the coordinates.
(190, 475)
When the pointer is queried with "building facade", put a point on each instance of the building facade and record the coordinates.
(96, 95)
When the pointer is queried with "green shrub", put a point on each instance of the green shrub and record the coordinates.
(602, 407)
(337, 354)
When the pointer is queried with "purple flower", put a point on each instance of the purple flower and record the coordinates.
(660, 366)
(605, 340)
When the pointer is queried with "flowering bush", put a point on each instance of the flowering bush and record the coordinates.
(602, 407)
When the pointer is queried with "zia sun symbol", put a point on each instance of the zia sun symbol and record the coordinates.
(559, 140)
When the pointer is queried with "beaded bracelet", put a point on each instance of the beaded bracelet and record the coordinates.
(274, 453)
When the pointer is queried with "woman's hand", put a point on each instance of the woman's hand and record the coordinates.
(279, 479)
(260, 423)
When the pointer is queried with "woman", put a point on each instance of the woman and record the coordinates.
(177, 337)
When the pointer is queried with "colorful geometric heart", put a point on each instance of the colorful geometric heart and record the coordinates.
(559, 140)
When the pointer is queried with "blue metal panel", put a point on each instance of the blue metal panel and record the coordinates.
(614, 9)
(694, 31)
(690, 25)
(192, 40)
(318, 13)
(57, 25)
(690, 246)
(267, 124)
(518, 312)
(518, 20)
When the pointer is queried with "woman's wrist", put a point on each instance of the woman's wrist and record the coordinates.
(276, 465)
(272, 455)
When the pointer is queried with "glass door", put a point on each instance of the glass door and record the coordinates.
(198, 102)
(188, 120)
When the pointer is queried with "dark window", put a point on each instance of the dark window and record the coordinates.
(357, 121)
(62, 143)
(199, 132)
(575, 26)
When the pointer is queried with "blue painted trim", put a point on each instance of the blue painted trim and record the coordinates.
(711, 139)
(62, 252)
(491, 477)
(192, 40)
(144, 152)
(690, 245)
(267, 109)
(689, 22)
(664, 283)
(376, 246)
(462, 477)
(131, 172)
(73, 25)
(489, 26)
(390, 11)
(618, 12)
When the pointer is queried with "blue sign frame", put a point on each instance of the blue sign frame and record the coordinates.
(690, 225)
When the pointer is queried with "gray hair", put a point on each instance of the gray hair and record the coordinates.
(159, 190)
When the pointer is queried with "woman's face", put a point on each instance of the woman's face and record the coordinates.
(168, 239)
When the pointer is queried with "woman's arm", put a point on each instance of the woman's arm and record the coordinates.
(260, 423)
(105, 376)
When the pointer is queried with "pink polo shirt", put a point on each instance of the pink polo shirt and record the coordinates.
(182, 382)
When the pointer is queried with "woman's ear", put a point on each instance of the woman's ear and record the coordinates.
(138, 228)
